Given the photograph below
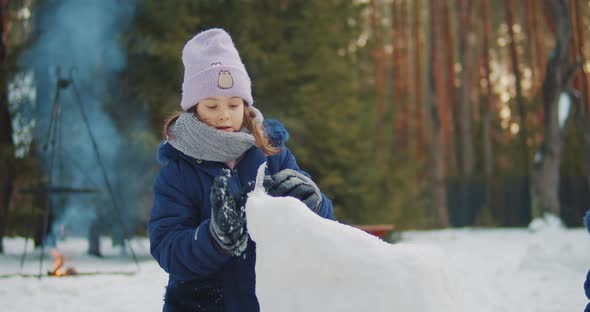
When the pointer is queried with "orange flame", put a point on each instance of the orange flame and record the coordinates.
(58, 265)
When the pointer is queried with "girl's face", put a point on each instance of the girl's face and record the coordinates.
(225, 113)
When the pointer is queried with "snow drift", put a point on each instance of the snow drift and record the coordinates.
(307, 263)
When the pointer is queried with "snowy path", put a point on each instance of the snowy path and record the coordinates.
(515, 270)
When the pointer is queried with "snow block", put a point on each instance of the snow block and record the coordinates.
(308, 263)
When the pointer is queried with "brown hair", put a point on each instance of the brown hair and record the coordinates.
(255, 129)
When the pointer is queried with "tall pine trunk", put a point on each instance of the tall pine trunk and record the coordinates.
(6, 143)
(514, 61)
(464, 122)
(398, 105)
(519, 101)
(378, 58)
(582, 99)
(537, 8)
(486, 105)
(452, 114)
(419, 124)
(546, 172)
(531, 31)
(404, 73)
(581, 117)
(581, 79)
(377, 53)
(439, 190)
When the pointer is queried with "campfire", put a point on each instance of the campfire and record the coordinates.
(60, 270)
(58, 265)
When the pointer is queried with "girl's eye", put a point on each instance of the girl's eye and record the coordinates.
(234, 106)
(211, 107)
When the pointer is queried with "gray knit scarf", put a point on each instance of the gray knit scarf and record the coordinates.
(194, 138)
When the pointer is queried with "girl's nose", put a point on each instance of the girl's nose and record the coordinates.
(223, 114)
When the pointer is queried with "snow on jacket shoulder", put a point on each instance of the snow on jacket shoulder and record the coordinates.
(201, 277)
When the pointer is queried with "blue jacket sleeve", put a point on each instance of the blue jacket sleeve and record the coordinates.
(288, 161)
(179, 240)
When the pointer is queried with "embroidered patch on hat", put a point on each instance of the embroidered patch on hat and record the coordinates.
(225, 80)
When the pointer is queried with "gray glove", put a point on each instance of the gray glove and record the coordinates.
(228, 219)
(292, 183)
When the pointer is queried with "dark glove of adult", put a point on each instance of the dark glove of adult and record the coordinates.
(289, 182)
(228, 219)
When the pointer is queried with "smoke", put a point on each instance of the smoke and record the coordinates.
(80, 41)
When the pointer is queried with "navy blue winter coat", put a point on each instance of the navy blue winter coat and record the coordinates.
(587, 282)
(201, 278)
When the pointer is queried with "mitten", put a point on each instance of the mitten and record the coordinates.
(292, 183)
(228, 219)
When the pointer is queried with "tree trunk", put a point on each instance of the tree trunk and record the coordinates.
(377, 59)
(439, 190)
(40, 231)
(6, 162)
(522, 134)
(442, 98)
(581, 79)
(399, 105)
(403, 73)
(531, 31)
(538, 33)
(6, 143)
(94, 238)
(539, 45)
(581, 117)
(452, 114)
(486, 106)
(580, 97)
(395, 53)
(418, 82)
(400, 78)
(546, 178)
(464, 122)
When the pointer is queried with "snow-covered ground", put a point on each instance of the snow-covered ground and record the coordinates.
(517, 269)
(507, 269)
(103, 292)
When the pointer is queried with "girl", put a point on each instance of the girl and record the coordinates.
(212, 151)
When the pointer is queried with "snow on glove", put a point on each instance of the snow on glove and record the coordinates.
(242, 197)
(289, 182)
(228, 219)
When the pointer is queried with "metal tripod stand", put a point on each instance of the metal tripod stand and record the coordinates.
(52, 148)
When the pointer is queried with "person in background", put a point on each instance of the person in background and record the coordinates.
(210, 157)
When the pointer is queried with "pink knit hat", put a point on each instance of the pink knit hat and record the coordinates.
(212, 67)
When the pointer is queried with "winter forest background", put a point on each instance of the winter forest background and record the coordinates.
(418, 113)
